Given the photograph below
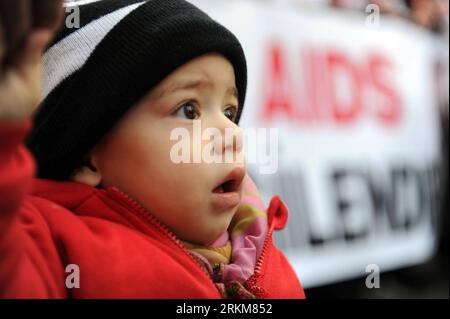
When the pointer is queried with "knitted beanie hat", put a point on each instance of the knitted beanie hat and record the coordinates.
(94, 74)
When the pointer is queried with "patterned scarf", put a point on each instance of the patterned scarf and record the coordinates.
(231, 259)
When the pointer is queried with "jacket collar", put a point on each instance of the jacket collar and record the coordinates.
(67, 194)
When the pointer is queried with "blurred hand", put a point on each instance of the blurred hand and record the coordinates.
(26, 27)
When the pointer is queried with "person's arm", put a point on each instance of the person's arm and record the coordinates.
(26, 27)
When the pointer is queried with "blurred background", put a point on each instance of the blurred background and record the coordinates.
(358, 94)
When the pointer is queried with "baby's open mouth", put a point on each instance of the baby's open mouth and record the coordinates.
(226, 193)
(225, 187)
(231, 182)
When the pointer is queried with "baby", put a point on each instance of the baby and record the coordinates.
(111, 214)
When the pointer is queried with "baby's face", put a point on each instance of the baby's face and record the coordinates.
(136, 155)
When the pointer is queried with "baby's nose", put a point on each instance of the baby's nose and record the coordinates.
(233, 139)
(230, 140)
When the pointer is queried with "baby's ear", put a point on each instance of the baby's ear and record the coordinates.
(87, 174)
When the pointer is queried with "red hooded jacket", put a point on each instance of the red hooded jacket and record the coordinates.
(120, 250)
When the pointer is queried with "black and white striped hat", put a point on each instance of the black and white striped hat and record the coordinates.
(94, 74)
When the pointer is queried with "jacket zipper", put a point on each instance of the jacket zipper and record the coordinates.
(260, 261)
(252, 282)
(163, 228)
(168, 233)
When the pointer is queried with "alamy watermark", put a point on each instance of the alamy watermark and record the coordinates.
(72, 19)
(373, 277)
(211, 145)
(73, 277)
(373, 16)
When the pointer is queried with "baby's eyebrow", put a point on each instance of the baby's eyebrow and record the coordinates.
(184, 85)
(194, 84)
(233, 92)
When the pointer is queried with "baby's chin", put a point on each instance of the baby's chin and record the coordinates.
(208, 236)
(214, 225)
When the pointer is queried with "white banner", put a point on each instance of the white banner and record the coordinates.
(358, 135)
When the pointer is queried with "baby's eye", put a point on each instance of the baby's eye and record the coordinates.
(187, 111)
(231, 113)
